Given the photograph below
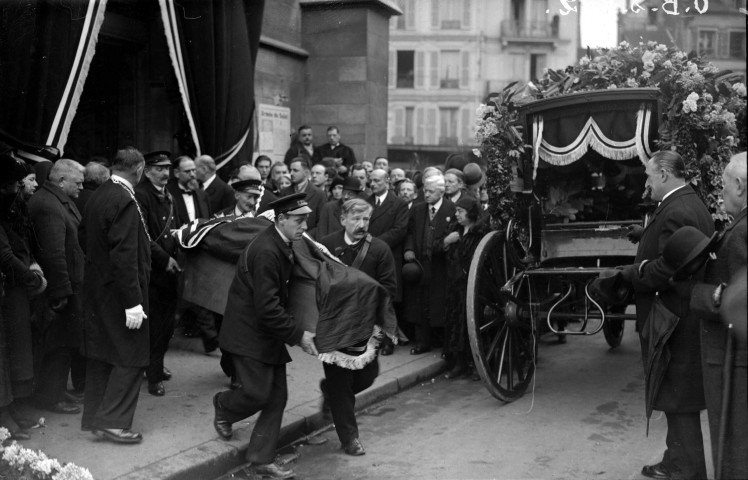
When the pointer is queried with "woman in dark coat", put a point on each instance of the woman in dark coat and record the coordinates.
(461, 243)
(23, 278)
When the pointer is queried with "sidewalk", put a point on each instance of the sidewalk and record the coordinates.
(179, 442)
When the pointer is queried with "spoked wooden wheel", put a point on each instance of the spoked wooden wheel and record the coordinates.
(613, 330)
(502, 342)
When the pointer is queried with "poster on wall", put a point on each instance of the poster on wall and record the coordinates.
(274, 131)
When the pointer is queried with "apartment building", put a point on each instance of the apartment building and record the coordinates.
(447, 55)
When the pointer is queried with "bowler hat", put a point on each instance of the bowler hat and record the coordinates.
(473, 174)
(294, 204)
(353, 184)
(11, 169)
(157, 158)
(456, 161)
(687, 249)
(412, 272)
(610, 288)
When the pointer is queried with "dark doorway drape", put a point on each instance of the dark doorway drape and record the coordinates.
(213, 46)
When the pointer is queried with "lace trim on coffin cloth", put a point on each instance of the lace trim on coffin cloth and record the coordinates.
(353, 362)
(592, 136)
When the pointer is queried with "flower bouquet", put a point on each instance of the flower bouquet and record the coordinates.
(21, 463)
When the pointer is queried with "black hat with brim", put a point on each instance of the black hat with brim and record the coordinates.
(157, 158)
(291, 205)
(248, 186)
(353, 184)
(412, 272)
(610, 288)
(687, 249)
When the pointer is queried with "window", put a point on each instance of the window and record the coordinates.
(425, 125)
(537, 65)
(407, 20)
(737, 44)
(707, 43)
(451, 14)
(405, 68)
(450, 69)
(448, 126)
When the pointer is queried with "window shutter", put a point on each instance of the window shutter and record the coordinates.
(420, 68)
(467, 14)
(410, 14)
(431, 132)
(467, 126)
(465, 70)
(434, 69)
(435, 14)
(400, 122)
(723, 40)
(420, 126)
(392, 73)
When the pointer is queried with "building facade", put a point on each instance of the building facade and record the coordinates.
(717, 33)
(447, 55)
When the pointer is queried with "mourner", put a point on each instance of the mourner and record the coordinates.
(118, 265)
(256, 326)
(157, 206)
(219, 194)
(355, 247)
(56, 220)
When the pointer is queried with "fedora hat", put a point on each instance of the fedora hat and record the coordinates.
(687, 249)
(412, 272)
(610, 288)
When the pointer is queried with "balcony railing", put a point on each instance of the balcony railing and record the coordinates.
(537, 29)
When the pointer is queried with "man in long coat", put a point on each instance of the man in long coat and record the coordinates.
(428, 225)
(116, 331)
(56, 220)
(157, 207)
(255, 330)
(681, 393)
(731, 258)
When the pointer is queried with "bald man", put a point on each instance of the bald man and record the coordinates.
(220, 195)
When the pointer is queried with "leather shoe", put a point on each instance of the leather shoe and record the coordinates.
(156, 389)
(210, 344)
(387, 349)
(119, 435)
(354, 448)
(456, 372)
(659, 471)
(271, 470)
(166, 374)
(419, 349)
(63, 407)
(222, 426)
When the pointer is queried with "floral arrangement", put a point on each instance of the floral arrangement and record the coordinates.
(703, 119)
(21, 463)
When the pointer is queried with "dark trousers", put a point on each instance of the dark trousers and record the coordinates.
(263, 389)
(77, 370)
(111, 395)
(52, 380)
(162, 306)
(685, 445)
(340, 388)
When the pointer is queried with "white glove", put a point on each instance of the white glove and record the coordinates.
(134, 317)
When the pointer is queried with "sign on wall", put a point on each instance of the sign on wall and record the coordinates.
(274, 131)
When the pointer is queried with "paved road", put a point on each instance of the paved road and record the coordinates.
(584, 420)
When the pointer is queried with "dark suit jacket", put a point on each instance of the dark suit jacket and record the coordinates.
(341, 151)
(84, 195)
(329, 218)
(298, 150)
(682, 388)
(56, 220)
(118, 267)
(220, 195)
(256, 323)
(431, 306)
(202, 210)
(378, 263)
(389, 223)
(316, 199)
(158, 211)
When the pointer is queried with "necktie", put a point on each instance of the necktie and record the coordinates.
(379, 202)
(432, 212)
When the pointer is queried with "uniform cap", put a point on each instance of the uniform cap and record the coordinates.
(248, 186)
(294, 204)
(157, 158)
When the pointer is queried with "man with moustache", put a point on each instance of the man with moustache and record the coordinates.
(355, 247)
(157, 207)
(303, 147)
(407, 191)
(118, 267)
(190, 202)
(315, 198)
(256, 328)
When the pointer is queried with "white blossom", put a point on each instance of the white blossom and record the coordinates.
(739, 89)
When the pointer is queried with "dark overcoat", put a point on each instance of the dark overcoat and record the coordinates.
(682, 389)
(180, 209)
(256, 323)
(220, 196)
(158, 211)
(340, 151)
(118, 267)
(426, 304)
(57, 219)
(389, 223)
(732, 256)
(329, 218)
